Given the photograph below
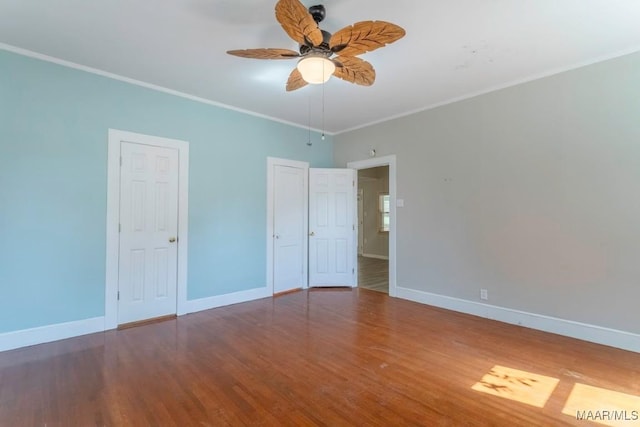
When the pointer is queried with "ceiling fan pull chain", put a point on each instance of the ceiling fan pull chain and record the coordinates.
(323, 104)
(309, 108)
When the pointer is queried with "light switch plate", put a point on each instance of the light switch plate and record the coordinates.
(400, 203)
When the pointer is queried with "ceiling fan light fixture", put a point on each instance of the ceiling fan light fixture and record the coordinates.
(316, 69)
(317, 46)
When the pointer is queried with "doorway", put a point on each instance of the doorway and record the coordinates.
(147, 227)
(373, 228)
(386, 203)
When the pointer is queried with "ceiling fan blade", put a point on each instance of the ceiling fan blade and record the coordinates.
(295, 81)
(364, 36)
(265, 53)
(355, 70)
(298, 23)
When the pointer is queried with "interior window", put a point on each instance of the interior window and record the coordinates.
(383, 212)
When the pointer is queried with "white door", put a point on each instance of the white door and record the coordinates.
(331, 227)
(147, 280)
(289, 228)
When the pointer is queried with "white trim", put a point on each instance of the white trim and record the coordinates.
(272, 162)
(113, 209)
(44, 334)
(372, 163)
(597, 334)
(69, 64)
(227, 299)
(533, 77)
(497, 87)
(375, 256)
(113, 217)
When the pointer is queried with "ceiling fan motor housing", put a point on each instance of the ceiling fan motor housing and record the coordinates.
(322, 48)
(318, 12)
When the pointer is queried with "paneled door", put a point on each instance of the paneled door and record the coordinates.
(290, 206)
(331, 227)
(147, 277)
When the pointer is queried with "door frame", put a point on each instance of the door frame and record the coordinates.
(113, 218)
(272, 162)
(390, 161)
(360, 208)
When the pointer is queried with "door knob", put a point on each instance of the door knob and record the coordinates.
(277, 236)
(172, 239)
(313, 233)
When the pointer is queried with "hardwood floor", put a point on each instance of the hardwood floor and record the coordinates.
(320, 357)
(373, 274)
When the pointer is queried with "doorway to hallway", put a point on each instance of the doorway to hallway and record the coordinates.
(390, 202)
(373, 228)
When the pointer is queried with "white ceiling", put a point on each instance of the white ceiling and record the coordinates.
(453, 49)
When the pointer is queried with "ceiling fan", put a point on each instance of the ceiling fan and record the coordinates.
(317, 46)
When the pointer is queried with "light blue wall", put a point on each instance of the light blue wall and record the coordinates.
(53, 168)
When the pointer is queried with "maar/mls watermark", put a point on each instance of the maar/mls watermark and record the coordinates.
(608, 415)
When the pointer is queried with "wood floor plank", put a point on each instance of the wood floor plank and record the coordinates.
(373, 274)
(330, 357)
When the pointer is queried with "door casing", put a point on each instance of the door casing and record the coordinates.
(113, 217)
(360, 222)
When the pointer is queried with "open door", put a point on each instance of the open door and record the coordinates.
(289, 228)
(331, 227)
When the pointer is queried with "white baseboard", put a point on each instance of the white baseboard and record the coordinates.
(44, 334)
(597, 334)
(226, 299)
(375, 256)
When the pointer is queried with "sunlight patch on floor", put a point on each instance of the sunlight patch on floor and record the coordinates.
(603, 406)
(521, 386)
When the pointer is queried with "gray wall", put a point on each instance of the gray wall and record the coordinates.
(532, 192)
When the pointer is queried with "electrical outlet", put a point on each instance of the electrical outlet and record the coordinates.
(484, 294)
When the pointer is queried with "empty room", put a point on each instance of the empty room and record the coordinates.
(286, 212)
